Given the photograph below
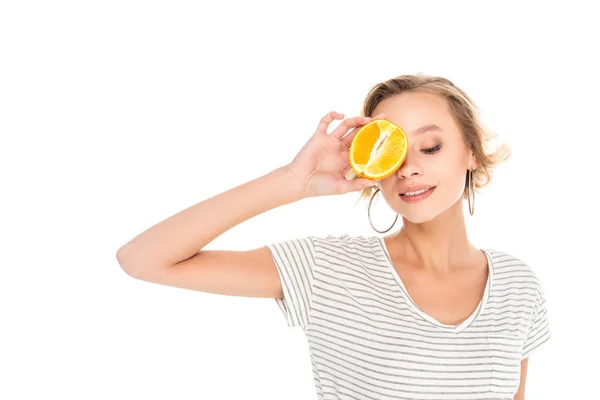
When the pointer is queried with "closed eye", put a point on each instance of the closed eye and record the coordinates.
(432, 150)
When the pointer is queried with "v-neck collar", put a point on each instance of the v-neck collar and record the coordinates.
(452, 328)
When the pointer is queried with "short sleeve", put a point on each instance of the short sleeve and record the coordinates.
(295, 261)
(539, 330)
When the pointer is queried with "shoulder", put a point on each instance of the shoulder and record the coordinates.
(512, 271)
(345, 241)
(507, 263)
(340, 242)
(345, 246)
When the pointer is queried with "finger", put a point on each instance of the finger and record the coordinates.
(345, 186)
(350, 173)
(348, 124)
(380, 116)
(347, 140)
(328, 119)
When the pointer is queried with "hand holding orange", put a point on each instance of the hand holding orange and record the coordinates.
(364, 148)
(320, 167)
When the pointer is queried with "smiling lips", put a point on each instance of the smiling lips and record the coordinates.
(418, 195)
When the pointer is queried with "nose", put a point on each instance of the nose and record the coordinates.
(409, 169)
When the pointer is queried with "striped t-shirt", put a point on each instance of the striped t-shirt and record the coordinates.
(368, 340)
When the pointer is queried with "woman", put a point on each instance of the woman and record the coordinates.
(418, 314)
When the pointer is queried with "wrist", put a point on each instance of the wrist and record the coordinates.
(291, 183)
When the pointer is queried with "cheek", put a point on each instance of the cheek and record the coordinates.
(448, 170)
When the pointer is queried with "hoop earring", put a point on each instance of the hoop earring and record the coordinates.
(470, 191)
(369, 214)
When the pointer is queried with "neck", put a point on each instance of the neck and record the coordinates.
(440, 245)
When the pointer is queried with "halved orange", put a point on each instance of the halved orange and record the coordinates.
(378, 149)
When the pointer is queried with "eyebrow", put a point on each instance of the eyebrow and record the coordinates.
(426, 128)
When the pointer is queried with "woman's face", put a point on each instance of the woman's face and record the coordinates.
(437, 156)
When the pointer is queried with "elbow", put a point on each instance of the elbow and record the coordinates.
(127, 263)
(134, 265)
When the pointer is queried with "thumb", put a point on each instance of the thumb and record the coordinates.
(355, 185)
(362, 183)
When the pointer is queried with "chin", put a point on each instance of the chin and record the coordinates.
(419, 217)
(426, 213)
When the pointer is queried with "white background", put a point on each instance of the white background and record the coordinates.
(115, 115)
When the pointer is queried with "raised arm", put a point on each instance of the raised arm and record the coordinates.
(170, 252)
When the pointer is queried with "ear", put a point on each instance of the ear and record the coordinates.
(473, 164)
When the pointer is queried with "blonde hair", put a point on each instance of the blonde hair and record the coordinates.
(466, 114)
